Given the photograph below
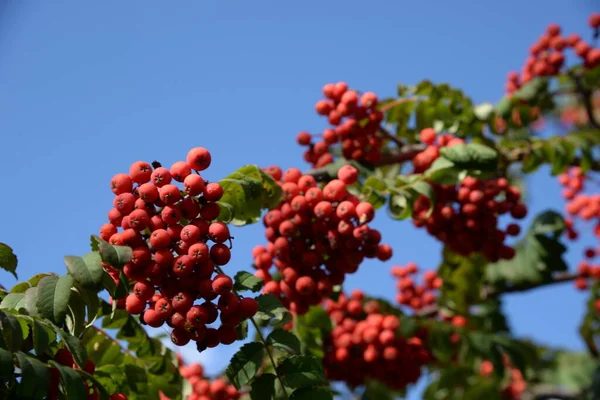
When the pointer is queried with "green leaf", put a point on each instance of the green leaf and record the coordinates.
(75, 317)
(563, 154)
(32, 282)
(245, 363)
(136, 378)
(263, 387)
(31, 298)
(284, 340)
(443, 171)
(115, 256)
(248, 191)
(301, 371)
(35, 377)
(87, 270)
(53, 296)
(42, 336)
(8, 260)
(13, 301)
(226, 211)
(11, 331)
(375, 390)
(539, 255)
(244, 280)
(6, 364)
(242, 330)
(270, 309)
(74, 345)
(374, 190)
(71, 381)
(401, 204)
(312, 393)
(471, 156)
(97, 384)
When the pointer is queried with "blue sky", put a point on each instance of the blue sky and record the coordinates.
(86, 88)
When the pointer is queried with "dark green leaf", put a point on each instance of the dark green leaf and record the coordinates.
(11, 331)
(284, 340)
(87, 270)
(8, 259)
(115, 256)
(35, 377)
(53, 296)
(42, 336)
(6, 364)
(71, 381)
(263, 387)
(246, 281)
(245, 363)
(242, 330)
(74, 345)
(312, 393)
(301, 371)
(539, 255)
(270, 309)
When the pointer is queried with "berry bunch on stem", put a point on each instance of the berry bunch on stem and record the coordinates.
(204, 388)
(547, 55)
(355, 124)
(365, 344)
(412, 295)
(465, 217)
(316, 236)
(176, 245)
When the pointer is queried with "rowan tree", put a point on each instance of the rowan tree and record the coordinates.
(429, 155)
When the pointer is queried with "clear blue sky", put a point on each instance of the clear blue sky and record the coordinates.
(86, 88)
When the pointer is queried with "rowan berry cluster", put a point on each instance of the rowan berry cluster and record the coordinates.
(411, 294)
(64, 357)
(547, 55)
(365, 344)
(204, 388)
(176, 245)
(465, 217)
(584, 207)
(316, 236)
(355, 125)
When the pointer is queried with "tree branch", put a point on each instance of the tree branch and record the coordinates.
(388, 135)
(491, 293)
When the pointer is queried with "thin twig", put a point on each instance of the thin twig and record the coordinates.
(388, 135)
(492, 293)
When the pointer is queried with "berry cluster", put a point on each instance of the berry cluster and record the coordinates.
(176, 246)
(413, 295)
(316, 236)
(64, 357)
(204, 388)
(355, 123)
(584, 207)
(465, 217)
(547, 55)
(365, 344)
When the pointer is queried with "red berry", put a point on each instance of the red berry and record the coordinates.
(199, 158)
